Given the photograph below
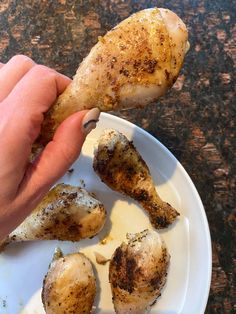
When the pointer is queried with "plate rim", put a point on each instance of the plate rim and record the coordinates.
(203, 293)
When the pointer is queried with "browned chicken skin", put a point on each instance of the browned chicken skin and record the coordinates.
(69, 286)
(138, 272)
(131, 66)
(66, 213)
(121, 167)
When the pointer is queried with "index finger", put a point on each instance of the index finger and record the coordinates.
(25, 106)
(41, 85)
(37, 90)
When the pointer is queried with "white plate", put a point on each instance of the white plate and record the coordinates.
(23, 266)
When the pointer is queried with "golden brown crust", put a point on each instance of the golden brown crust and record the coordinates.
(66, 290)
(121, 167)
(131, 66)
(138, 272)
(66, 213)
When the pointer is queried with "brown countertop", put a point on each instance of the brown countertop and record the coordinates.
(195, 120)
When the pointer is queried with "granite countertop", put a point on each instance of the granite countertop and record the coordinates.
(195, 120)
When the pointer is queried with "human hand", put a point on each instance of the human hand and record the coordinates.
(27, 90)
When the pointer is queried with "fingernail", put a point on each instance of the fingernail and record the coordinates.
(90, 120)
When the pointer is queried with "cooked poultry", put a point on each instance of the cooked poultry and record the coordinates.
(138, 272)
(120, 166)
(131, 66)
(69, 286)
(65, 213)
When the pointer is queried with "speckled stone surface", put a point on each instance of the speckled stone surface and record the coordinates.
(195, 120)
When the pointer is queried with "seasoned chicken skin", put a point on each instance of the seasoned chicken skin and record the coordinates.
(120, 166)
(69, 286)
(66, 213)
(131, 66)
(138, 272)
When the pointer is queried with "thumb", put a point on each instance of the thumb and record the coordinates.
(61, 152)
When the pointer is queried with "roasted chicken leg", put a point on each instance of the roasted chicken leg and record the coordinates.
(66, 213)
(131, 66)
(69, 286)
(138, 272)
(120, 166)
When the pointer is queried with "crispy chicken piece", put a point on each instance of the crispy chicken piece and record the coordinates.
(66, 213)
(120, 166)
(69, 286)
(131, 66)
(138, 272)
